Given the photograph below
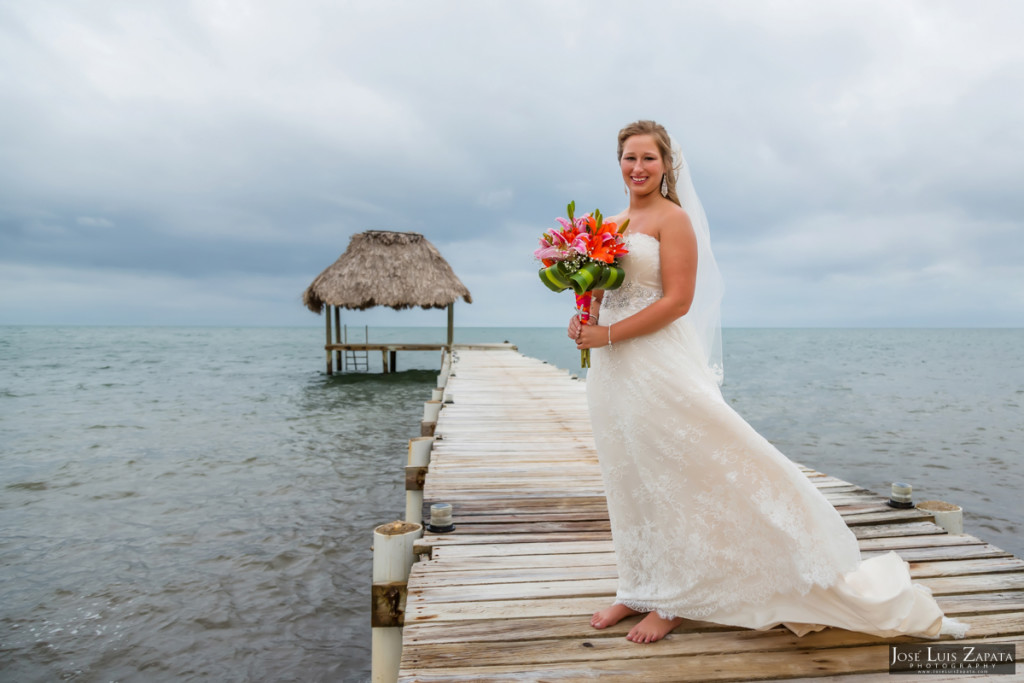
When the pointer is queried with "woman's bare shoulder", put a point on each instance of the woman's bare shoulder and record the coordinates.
(675, 222)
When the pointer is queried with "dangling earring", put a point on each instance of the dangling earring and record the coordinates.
(664, 185)
(625, 188)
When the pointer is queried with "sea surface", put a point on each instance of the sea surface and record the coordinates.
(197, 504)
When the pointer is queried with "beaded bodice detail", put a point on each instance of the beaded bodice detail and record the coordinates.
(642, 286)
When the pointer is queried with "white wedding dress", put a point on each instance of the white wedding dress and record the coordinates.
(709, 520)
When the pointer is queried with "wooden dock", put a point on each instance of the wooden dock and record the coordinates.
(508, 595)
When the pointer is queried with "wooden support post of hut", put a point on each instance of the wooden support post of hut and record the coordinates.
(451, 323)
(338, 362)
(383, 268)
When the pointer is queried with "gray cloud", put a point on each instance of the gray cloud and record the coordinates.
(859, 161)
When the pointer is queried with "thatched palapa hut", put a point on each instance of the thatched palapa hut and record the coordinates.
(384, 268)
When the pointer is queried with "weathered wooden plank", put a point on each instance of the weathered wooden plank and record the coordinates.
(534, 516)
(529, 546)
(516, 575)
(962, 567)
(930, 541)
(827, 482)
(851, 499)
(530, 590)
(506, 503)
(416, 610)
(977, 603)
(537, 467)
(975, 583)
(523, 486)
(578, 626)
(581, 586)
(511, 541)
(575, 626)
(879, 678)
(595, 647)
(553, 471)
(905, 529)
(943, 552)
(550, 469)
(527, 568)
(532, 527)
(440, 565)
(725, 667)
(483, 452)
(889, 516)
(435, 492)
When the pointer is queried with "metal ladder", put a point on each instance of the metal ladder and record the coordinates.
(353, 358)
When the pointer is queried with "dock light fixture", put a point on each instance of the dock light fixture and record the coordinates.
(901, 496)
(441, 518)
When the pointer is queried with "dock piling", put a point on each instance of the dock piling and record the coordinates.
(419, 460)
(947, 515)
(392, 559)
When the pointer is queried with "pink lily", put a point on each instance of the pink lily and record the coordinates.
(555, 253)
(573, 226)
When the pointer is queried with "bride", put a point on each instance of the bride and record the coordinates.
(709, 521)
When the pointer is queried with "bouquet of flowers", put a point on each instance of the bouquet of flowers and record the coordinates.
(582, 254)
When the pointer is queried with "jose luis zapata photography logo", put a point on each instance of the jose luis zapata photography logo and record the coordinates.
(982, 658)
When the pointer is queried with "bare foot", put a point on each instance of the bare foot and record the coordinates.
(610, 616)
(652, 628)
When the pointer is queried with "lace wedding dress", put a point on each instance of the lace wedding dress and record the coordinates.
(709, 520)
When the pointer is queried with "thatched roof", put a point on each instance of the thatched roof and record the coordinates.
(384, 268)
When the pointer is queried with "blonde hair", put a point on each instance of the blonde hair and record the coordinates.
(664, 143)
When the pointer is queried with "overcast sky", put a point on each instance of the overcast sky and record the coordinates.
(172, 162)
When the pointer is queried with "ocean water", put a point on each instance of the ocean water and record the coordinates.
(197, 503)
